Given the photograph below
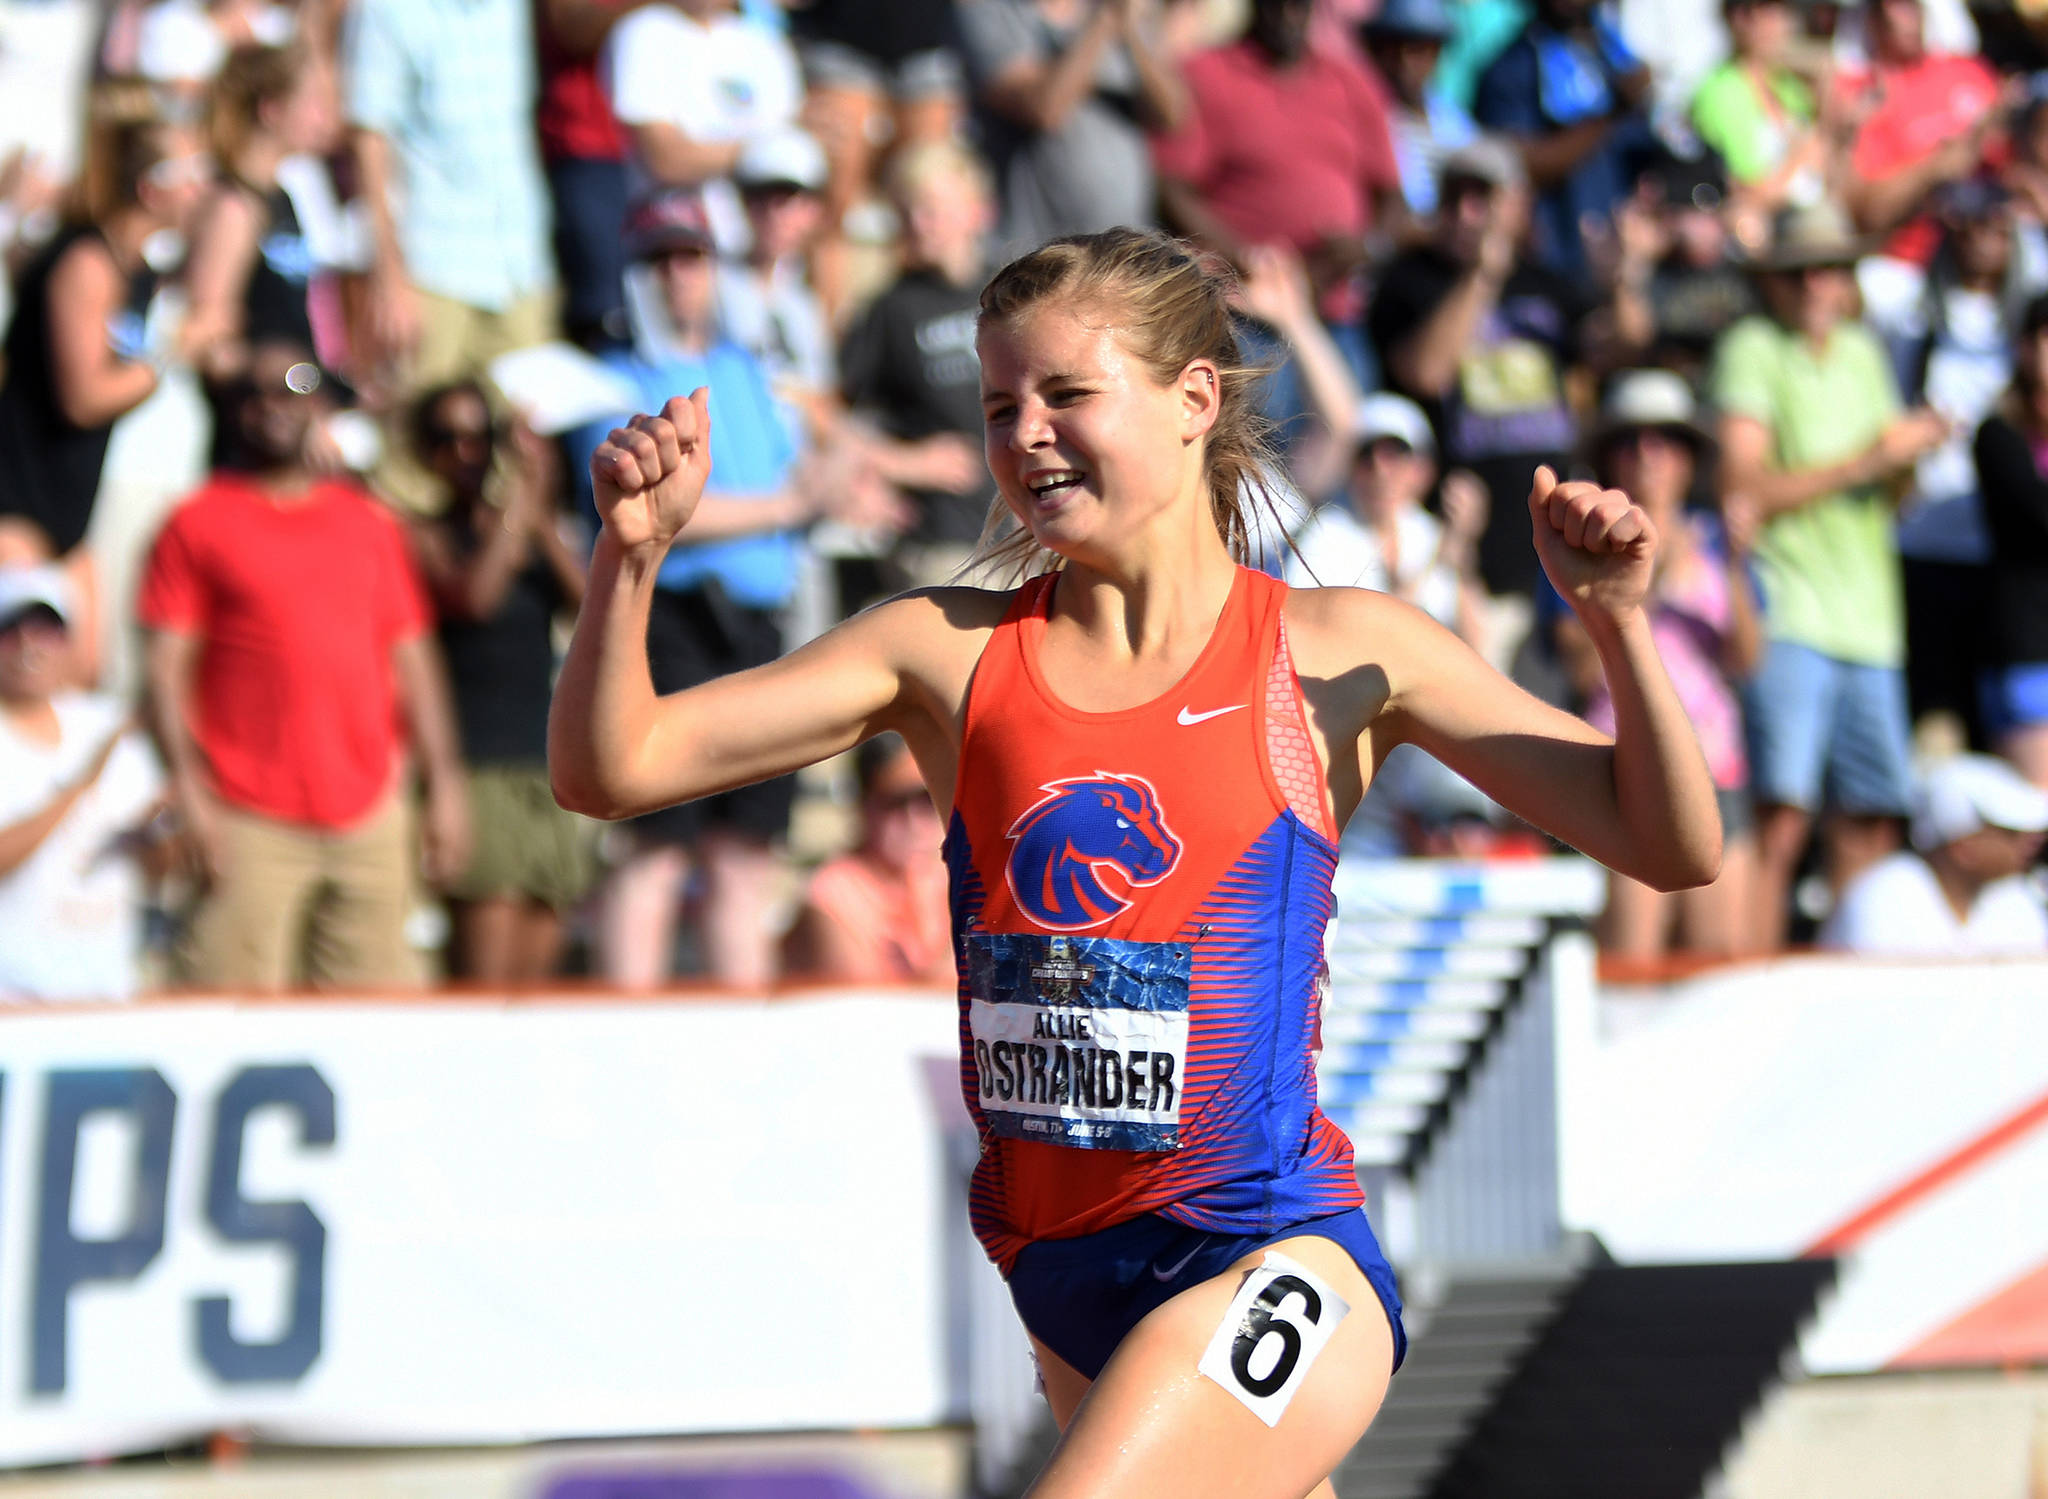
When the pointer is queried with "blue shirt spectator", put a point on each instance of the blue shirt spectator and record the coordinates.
(1566, 90)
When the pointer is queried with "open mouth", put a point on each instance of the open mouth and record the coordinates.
(1054, 482)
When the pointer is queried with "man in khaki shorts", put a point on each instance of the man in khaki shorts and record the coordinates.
(288, 643)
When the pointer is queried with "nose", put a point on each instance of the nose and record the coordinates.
(1032, 426)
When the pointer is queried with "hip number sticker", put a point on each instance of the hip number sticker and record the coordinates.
(1277, 1323)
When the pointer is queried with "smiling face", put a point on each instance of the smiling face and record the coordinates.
(1088, 448)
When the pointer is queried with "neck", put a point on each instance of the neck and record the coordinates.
(126, 232)
(1988, 282)
(1171, 586)
(33, 717)
(256, 164)
(1958, 887)
(694, 339)
(960, 267)
(284, 482)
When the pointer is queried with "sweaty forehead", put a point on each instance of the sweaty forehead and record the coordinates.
(1049, 338)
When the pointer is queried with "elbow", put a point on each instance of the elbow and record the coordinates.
(1695, 862)
(582, 794)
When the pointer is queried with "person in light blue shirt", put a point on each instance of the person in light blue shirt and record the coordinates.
(717, 602)
(1405, 39)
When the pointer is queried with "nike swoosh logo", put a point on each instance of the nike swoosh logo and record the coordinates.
(1187, 718)
(1159, 1274)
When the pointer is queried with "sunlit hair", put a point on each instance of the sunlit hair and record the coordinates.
(125, 138)
(945, 160)
(1169, 307)
(251, 78)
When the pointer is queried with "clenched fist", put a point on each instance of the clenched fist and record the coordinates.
(648, 475)
(1598, 547)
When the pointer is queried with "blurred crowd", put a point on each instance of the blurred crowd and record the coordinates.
(315, 311)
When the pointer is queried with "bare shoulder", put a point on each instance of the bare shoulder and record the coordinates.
(1334, 631)
(933, 637)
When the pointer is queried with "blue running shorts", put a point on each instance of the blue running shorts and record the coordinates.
(1080, 1297)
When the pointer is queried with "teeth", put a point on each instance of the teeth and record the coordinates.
(1052, 480)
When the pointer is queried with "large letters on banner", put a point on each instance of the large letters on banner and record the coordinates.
(65, 1259)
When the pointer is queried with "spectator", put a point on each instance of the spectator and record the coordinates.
(288, 644)
(584, 149)
(1759, 113)
(1065, 90)
(1377, 535)
(1482, 337)
(693, 81)
(1274, 291)
(250, 269)
(1676, 288)
(498, 579)
(2012, 477)
(1812, 434)
(909, 367)
(878, 915)
(765, 301)
(440, 95)
(1285, 146)
(1703, 619)
(1405, 39)
(77, 786)
(716, 604)
(883, 74)
(81, 352)
(1953, 352)
(1926, 118)
(1961, 891)
(1568, 92)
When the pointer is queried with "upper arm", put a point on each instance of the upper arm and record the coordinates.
(1746, 447)
(1415, 682)
(223, 251)
(83, 290)
(902, 665)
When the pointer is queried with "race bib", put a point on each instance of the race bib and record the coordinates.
(1080, 1040)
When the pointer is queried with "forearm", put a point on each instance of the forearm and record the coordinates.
(1072, 77)
(1882, 203)
(565, 565)
(1744, 644)
(1426, 362)
(722, 517)
(1779, 491)
(603, 711)
(20, 839)
(477, 585)
(105, 392)
(1552, 158)
(428, 708)
(169, 670)
(373, 187)
(1333, 398)
(674, 158)
(1662, 791)
(1162, 95)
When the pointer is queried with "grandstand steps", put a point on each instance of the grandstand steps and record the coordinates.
(1470, 1329)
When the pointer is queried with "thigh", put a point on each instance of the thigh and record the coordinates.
(244, 934)
(1154, 1425)
(1870, 755)
(1789, 706)
(357, 931)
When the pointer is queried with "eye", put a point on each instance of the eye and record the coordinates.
(1121, 823)
(1066, 397)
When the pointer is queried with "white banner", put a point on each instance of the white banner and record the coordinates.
(1892, 1113)
(473, 1222)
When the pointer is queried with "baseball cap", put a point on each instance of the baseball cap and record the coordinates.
(26, 588)
(1486, 159)
(1965, 794)
(1427, 19)
(784, 155)
(667, 219)
(1387, 415)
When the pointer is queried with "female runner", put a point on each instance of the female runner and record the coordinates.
(1147, 750)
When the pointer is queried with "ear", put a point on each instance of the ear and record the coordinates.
(1201, 398)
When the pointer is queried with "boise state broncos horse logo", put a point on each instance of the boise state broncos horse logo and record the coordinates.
(1083, 824)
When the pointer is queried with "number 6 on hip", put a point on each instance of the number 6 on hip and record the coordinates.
(1277, 1323)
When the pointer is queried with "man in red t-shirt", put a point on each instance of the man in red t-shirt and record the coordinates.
(289, 649)
(1283, 145)
(1930, 117)
(584, 150)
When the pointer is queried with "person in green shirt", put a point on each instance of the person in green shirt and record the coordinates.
(1813, 436)
(1759, 114)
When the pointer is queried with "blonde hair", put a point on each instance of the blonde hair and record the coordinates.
(1170, 307)
(125, 138)
(251, 78)
(937, 160)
